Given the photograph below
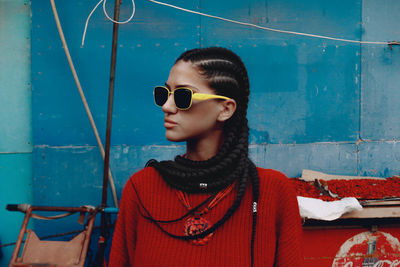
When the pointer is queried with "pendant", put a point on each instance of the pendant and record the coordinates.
(195, 226)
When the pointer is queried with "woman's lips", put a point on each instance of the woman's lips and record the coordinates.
(169, 124)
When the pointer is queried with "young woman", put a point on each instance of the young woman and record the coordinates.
(210, 206)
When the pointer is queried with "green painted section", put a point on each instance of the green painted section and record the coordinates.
(15, 77)
(15, 174)
(15, 118)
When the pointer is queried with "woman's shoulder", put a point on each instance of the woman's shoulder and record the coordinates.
(271, 174)
(272, 178)
(275, 185)
(146, 171)
(144, 176)
(148, 179)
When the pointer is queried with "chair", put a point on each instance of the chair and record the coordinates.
(38, 252)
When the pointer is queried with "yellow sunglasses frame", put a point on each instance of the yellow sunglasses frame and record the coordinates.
(195, 96)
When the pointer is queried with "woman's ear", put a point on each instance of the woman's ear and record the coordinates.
(228, 107)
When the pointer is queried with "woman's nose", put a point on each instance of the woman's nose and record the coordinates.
(169, 106)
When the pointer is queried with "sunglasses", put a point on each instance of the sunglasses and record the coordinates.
(183, 97)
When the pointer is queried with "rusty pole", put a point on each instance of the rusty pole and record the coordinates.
(103, 230)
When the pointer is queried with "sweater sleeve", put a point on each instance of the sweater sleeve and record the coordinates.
(124, 239)
(289, 230)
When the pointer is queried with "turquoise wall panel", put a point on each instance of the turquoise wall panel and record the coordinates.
(73, 176)
(15, 118)
(15, 86)
(61, 174)
(303, 89)
(381, 76)
(16, 188)
(379, 158)
(146, 51)
(291, 159)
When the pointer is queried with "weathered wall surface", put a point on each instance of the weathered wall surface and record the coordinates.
(15, 117)
(320, 104)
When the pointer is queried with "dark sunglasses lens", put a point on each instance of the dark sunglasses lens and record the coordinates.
(160, 95)
(182, 98)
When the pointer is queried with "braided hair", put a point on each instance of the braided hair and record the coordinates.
(226, 74)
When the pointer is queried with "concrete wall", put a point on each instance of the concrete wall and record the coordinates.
(15, 117)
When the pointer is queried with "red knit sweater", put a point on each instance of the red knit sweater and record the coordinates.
(138, 242)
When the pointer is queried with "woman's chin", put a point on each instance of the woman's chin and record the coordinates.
(174, 138)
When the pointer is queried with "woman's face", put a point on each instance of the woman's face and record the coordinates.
(202, 119)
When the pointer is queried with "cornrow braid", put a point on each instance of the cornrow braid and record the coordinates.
(224, 72)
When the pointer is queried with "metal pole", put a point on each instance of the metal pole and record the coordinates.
(81, 93)
(103, 230)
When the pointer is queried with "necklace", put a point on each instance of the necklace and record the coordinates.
(197, 224)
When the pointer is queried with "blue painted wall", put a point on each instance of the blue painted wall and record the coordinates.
(15, 117)
(315, 104)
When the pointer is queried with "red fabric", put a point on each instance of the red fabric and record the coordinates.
(138, 242)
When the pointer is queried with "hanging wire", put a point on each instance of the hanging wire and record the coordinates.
(108, 17)
(87, 22)
(231, 21)
(266, 28)
(119, 22)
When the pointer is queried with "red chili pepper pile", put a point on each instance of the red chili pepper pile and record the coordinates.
(366, 188)
(308, 189)
(361, 189)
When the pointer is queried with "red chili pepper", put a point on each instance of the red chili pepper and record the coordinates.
(359, 188)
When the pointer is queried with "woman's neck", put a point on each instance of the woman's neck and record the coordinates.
(204, 148)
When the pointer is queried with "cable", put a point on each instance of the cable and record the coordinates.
(267, 28)
(87, 22)
(78, 84)
(119, 22)
(231, 21)
(108, 17)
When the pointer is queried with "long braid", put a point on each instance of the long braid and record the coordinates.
(226, 74)
(256, 193)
